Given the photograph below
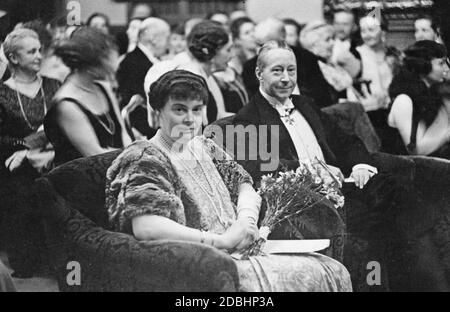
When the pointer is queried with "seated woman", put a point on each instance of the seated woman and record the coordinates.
(85, 118)
(244, 43)
(209, 47)
(25, 153)
(181, 186)
(328, 83)
(418, 115)
(379, 63)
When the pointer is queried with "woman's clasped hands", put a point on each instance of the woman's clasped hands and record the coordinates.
(241, 234)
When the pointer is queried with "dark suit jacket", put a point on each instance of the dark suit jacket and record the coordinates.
(131, 75)
(339, 149)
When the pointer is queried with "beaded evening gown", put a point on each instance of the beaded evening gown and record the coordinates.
(199, 188)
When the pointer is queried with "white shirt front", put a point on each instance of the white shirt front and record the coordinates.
(300, 131)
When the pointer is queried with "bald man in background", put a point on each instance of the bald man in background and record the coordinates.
(153, 41)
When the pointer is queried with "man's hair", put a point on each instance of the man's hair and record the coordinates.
(347, 11)
(310, 33)
(154, 25)
(270, 29)
(268, 46)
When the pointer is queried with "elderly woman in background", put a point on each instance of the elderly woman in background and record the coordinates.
(326, 82)
(184, 187)
(209, 49)
(85, 118)
(25, 99)
(52, 66)
(379, 63)
(419, 116)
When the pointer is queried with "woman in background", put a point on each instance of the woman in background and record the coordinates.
(25, 153)
(209, 49)
(379, 63)
(99, 21)
(244, 43)
(85, 118)
(421, 119)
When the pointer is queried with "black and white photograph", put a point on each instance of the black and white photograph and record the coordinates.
(224, 151)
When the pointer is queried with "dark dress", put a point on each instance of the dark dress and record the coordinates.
(234, 93)
(409, 84)
(18, 224)
(64, 150)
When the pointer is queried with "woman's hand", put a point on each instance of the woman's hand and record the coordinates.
(238, 236)
(16, 160)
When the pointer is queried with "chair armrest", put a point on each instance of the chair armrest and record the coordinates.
(118, 262)
(402, 166)
(112, 261)
(351, 117)
(433, 176)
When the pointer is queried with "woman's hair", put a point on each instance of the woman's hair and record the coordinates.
(416, 64)
(97, 14)
(205, 39)
(418, 57)
(177, 85)
(87, 47)
(177, 28)
(293, 22)
(235, 26)
(45, 37)
(443, 89)
(11, 43)
(311, 33)
(382, 21)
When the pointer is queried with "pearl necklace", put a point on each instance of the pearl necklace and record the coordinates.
(22, 110)
(165, 145)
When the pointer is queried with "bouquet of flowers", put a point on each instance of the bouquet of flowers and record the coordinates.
(293, 192)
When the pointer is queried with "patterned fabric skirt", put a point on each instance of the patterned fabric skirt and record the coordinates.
(308, 272)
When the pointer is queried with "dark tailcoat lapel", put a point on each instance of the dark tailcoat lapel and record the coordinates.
(269, 116)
